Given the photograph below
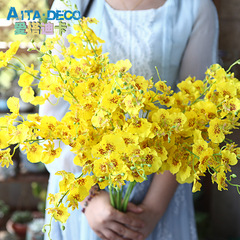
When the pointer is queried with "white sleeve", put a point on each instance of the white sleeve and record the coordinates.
(201, 50)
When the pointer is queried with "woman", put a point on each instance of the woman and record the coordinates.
(180, 38)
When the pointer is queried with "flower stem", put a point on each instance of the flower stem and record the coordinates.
(127, 195)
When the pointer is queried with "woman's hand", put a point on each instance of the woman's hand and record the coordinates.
(155, 203)
(111, 224)
(148, 216)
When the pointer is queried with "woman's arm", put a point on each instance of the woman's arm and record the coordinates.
(202, 48)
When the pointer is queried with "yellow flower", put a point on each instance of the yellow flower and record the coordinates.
(199, 145)
(110, 143)
(27, 94)
(162, 87)
(13, 104)
(49, 43)
(67, 180)
(141, 83)
(39, 100)
(132, 154)
(184, 174)
(59, 213)
(100, 119)
(34, 152)
(208, 109)
(123, 66)
(84, 159)
(110, 101)
(141, 127)
(20, 134)
(220, 179)
(231, 106)
(5, 158)
(165, 100)
(129, 138)
(178, 120)
(132, 105)
(161, 116)
(196, 185)
(161, 150)
(48, 127)
(4, 139)
(12, 50)
(54, 198)
(101, 167)
(152, 162)
(13, 47)
(199, 85)
(116, 165)
(135, 176)
(226, 89)
(191, 123)
(215, 130)
(75, 196)
(174, 159)
(188, 89)
(229, 158)
(206, 159)
(50, 153)
(180, 100)
(27, 78)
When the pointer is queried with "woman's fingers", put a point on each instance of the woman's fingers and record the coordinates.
(134, 208)
(123, 218)
(124, 232)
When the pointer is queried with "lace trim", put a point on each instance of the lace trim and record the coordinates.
(134, 45)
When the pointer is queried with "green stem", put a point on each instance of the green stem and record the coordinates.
(17, 68)
(127, 195)
(235, 63)
(118, 199)
(234, 185)
(111, 196)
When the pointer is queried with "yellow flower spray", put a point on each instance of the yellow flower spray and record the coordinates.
(184, 138)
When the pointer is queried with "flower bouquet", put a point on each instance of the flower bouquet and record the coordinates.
(114, 125)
